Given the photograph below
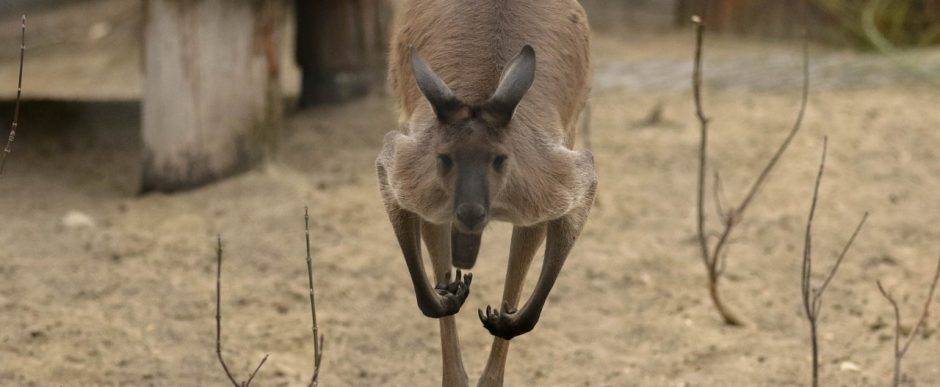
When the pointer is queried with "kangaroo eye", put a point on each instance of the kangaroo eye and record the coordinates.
(444, 162)
(499, 162)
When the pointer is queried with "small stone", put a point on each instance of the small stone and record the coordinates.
(646, 279)
(98, 31)
(77, 219)
(849, 366)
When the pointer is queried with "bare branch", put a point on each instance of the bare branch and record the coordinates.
(16, 110)
(813, 297)
(703, 145)
(218, 323)
(808, 294)
(807, 271)
(711, 261)
(723, 238)
(845, 249)
(897, 333)
(765, 173)
(925, 312)
(315, 379)
(255, 372)
(218, 312)
(713, 257)
(318, 339)
(722, 264)
(901, 350)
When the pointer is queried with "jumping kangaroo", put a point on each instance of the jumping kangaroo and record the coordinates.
(490, 92)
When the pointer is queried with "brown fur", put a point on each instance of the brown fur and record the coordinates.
(468, 43)
(544, 187)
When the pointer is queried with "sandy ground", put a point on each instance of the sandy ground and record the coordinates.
(128, 300)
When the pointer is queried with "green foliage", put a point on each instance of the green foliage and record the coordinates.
(885, 24)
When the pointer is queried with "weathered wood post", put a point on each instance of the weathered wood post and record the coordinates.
(211, 100)
(340, 48)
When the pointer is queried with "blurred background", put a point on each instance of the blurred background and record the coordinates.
(148, 127)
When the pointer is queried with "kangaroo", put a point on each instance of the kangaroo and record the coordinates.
(489, 92)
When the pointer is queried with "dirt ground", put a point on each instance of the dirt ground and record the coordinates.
(101, 286)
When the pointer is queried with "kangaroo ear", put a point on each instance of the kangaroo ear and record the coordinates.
(445, 104)
(513, 85)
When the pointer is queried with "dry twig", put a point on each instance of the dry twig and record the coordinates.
(899, 350)
(16, 110)
(218, 324)
(812, 297)
(713, 256)
(318, 340)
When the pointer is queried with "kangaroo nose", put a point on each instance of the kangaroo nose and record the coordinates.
(470, 214)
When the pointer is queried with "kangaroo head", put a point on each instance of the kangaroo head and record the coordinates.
(469, 140)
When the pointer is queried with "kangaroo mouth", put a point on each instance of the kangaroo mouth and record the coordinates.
(462, 228)
(464, 248)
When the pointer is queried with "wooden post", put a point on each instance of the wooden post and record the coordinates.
(212, 103)
(341, 47)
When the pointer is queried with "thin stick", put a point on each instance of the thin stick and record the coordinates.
(804, 99)
(899, 350)
(896, 380)
(255, 372)
(218, 323)
(16, 109)
(738, 213)
(926, 311)
(710, 261)
(318, 340)
(805, 285)
(703, 126)
(835, 267)
(812, 297)
(713, 256)
(218, 311)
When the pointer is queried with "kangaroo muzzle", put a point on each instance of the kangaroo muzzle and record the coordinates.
(471, 216)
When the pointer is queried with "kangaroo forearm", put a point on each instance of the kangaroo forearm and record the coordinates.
(447, 298)
(507, 324)
(407, 227)
(559, 242)
(560, 239)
